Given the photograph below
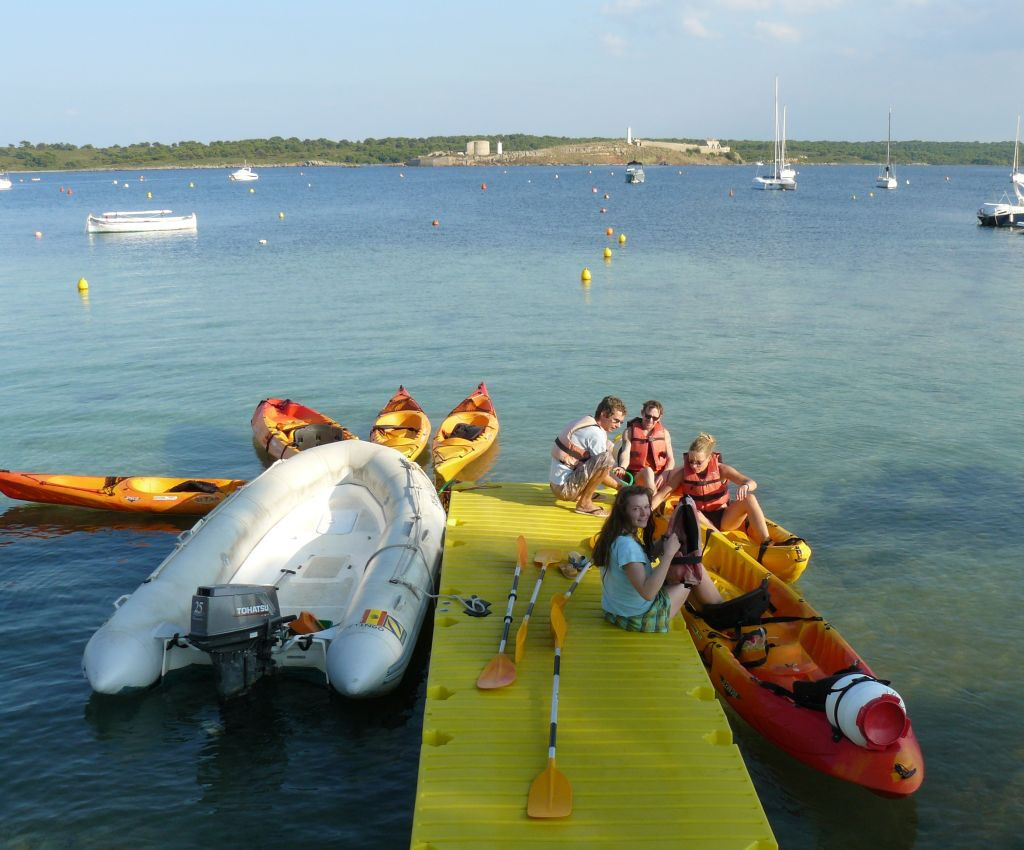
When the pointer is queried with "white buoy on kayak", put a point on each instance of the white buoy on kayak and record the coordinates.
(868, 712)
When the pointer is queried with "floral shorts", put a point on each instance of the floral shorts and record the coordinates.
(654, 619)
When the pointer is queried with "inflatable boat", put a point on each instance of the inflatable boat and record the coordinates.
(325, 562)
(792, 677)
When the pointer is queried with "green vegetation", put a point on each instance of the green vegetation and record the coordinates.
(27, 156)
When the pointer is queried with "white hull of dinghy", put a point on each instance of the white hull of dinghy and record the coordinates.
(350, 531)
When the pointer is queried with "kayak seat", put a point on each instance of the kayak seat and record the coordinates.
(194, 487)
(316, 435)
(464, 431)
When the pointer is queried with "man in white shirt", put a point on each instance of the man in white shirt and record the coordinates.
(582, 458)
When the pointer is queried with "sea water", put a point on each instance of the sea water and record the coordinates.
(856, 351)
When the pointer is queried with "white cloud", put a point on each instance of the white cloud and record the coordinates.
(777, 32)
(615, 45)
(695, 27)
(627, 7)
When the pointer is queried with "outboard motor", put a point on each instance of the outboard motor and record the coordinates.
(238, 625)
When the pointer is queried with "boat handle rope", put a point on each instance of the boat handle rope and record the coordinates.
(474, 606)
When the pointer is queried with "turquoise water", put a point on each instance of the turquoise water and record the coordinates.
(859, 358)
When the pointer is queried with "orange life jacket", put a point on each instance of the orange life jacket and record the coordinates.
(568, 451)
(647, 450)
(709, 490)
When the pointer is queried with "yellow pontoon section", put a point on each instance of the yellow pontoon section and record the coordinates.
(641, 737)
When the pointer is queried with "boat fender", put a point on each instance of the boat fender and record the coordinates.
(866, 710)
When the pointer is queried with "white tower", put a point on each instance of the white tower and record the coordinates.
(499, 148)
(629, 135)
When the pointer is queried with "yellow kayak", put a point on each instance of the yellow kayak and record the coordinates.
(402, 425)
(466, 434)
(787, 557)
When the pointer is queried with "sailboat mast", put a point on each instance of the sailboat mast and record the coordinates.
(782, 144)
(775, 151)
(888, 143)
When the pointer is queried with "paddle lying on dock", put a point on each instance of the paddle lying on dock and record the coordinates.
(544, 557)
(500, 670)
(551, 793)
(561, 599)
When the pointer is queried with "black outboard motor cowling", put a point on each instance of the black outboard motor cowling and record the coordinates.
(238, 625)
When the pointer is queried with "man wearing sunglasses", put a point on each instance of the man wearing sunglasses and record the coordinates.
(646, 449)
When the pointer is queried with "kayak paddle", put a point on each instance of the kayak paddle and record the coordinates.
(500, 670)
(544, 557)
(550, 793)
(560, 599)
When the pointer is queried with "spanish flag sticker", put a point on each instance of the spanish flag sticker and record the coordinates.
(373, 617)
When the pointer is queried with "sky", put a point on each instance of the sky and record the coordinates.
(117, 72)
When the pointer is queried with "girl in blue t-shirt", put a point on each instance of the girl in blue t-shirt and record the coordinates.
(634, 594)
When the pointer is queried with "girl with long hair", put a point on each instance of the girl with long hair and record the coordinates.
(635, 595)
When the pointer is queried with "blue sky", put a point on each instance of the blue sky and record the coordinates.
(117, 72)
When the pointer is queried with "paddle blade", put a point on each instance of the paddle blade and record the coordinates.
(546, 557)
(550, 794)
(499, 672)
(521, 551)
(559, 626)
(521, 640)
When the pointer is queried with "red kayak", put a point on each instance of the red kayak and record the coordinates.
(283, 427)
(792, 677)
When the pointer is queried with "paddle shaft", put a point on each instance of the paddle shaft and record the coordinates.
(577, 580)
(554, 705)
(512, 595)
(533, 597)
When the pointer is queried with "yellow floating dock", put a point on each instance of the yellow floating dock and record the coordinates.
(641, 738)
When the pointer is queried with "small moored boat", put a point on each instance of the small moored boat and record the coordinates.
(794, 679)
(324, 563)
(635, 172)
(135, 493)
(402, 425)
(140, 221)
(466, 433)
(282, 427)
(5, 181)
(244, 174)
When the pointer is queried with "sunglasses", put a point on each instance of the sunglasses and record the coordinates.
(652, 418)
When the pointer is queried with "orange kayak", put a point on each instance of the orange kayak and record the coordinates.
(791, 676)
(402, 425)
(283, 427)
(136, 493)
(467, 433)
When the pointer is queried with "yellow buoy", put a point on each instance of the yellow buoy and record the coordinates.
(585, 274)
(622, 238)
(149, 195)
(83, 284)
(280, 215)
(251, 191)
(607, 253)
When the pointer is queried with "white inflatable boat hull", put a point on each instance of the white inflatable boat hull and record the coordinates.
(350, 531)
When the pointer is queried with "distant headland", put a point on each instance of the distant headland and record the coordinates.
(480, 150)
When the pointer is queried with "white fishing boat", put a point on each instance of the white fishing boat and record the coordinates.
(635, 172)
(5, 181)
(887, 177)
(139, 221)
(244, 174)
(1006, 211)
(324, 564)
(782, 176)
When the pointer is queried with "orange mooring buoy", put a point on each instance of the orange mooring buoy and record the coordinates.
(435, 222)
(483, 186)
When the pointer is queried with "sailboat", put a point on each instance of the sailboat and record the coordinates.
(1004, 212)
(887, 179)
(782, 176)
(5, 181)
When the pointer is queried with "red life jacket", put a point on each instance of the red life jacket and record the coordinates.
(708, 490)
(647, 450)
(568, 451)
